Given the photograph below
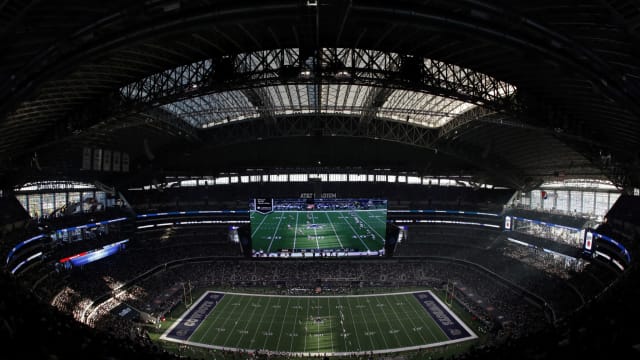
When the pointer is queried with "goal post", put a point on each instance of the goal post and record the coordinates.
(449, 293)
(186, 294)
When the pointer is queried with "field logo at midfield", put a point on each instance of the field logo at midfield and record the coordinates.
(451, 327)
(185, 326)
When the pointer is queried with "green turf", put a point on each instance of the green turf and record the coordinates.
(360, 230)
(318, 324)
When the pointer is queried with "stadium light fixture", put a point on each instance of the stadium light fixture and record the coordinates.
(340, 70)
(343, 74)
(305, 73)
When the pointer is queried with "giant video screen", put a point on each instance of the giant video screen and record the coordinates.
(318, 227)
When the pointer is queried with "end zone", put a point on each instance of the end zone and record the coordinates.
(187, 324)
(454, 328)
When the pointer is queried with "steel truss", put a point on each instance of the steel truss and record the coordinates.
(336, 66)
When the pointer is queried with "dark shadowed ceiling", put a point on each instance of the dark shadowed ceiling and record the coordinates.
(513, 93)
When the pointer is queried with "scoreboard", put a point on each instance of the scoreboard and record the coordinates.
(263, 205)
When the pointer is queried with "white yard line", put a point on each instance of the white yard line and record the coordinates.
(295, 321)
(315, 231)
(257, 327)
(256, 230)
(378, 219)
(373, 314)
(366, 324)
(334, 229)
(306, 318)
(208, 328)
(354, 231)
(281, 326)
(370, 227)
(341, 319)
(245, 331)
(330, 332)
(389, 322)
(295, 231)
(393, 308)
(355, 328)
(236, 323)
(274, 234)
(418, 312)
(318, 315)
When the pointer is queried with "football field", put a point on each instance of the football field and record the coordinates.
(359, 230)
(329, 325)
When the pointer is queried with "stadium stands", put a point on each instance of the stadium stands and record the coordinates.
(549, 217)
(493, 135)
(509, 279)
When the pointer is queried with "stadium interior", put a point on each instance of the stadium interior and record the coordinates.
(165, 162)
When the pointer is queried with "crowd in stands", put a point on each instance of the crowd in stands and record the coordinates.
(336, 277)
(599, 330)
(554, 216)
(426, 260)
(340, 277)
(487, 248)
(561, 266)
(558, 234)
(31, 329)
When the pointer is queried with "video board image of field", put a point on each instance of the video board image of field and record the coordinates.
(340, 225)
(328, 325)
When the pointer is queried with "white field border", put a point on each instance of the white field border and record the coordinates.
(315, 210)
(287, 353)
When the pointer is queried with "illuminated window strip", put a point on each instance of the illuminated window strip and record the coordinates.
(599, 253)
(608, 239)
(522, 243)
(617, 263)
(195, 212)
(193, 222)
(456, 212)
(538, 222)
(324, 177)
(24, 262)
(18, 246)
(453, 222)
(85, 226)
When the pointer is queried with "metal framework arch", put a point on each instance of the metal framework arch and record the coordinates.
(328, 67)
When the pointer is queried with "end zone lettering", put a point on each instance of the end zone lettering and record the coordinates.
(438, 313)
(192, 319)
(203, 309)
(450, 326)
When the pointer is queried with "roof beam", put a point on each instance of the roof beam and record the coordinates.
(259, 99)
(385, 71)
(477, 113)
(375, 100)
